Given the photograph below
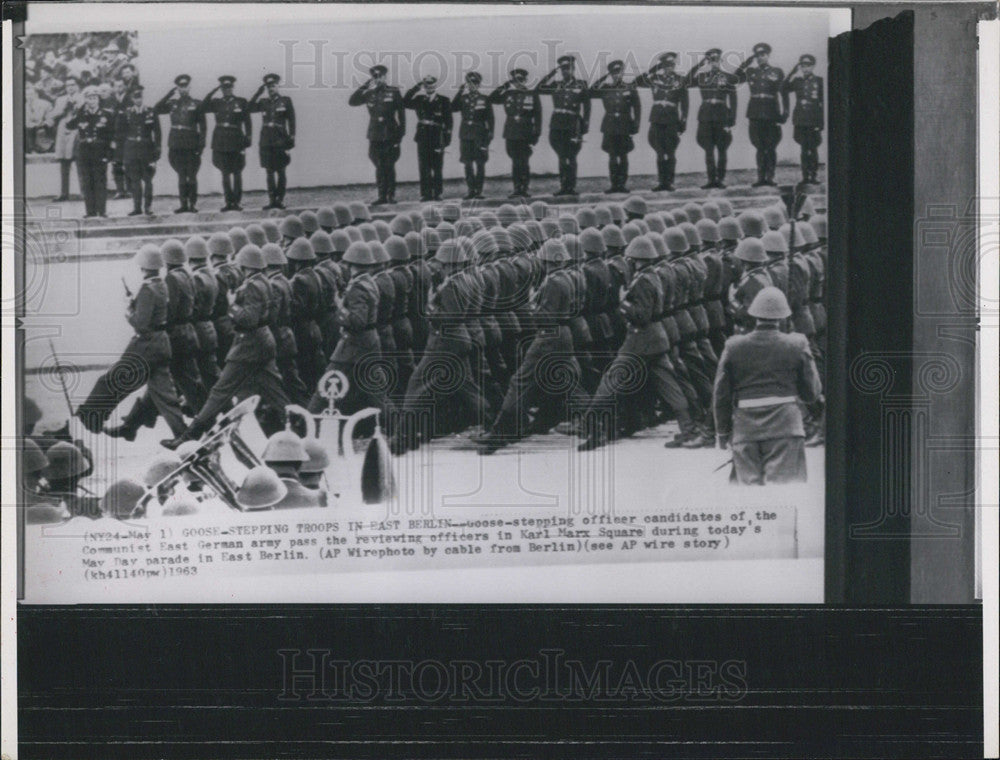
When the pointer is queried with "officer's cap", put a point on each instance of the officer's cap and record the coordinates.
(774, 242)
(227, 80)
(729, 229)
(429, 80)
(256, 234)
(676, 240)
(339, 241)
(271, 79)
(616, 65)
(121, 497)
(752, 223)
(691, 233)
(33, 460)
(713, 52)
(710, 210)
(284, 446)
(613, 236)
(250, 257)
(631, 231)
(519, 74)
(182, 80)
(161, 466)
(414, 244)
(397, 249)
(540, 209)
(378, 70)
(220, 244)
(273, 255)
(173, 252)
(359, 254)
(400, 225)
(473, 77)
(762, 47)
(261, 488)
(310, 222)
(641, 248)
(239, 237)
(769, 303)
(445, 230)
(431, 215)
(707, 230)
(550, 228)
(591, 241)
(667, 58)
(602, 215)
(566, 60)
(449, 252)
(636, 205)
(807, 60)
(149, 257)
(378, 251)
(318, 460)
(818, 223)
(431, 239)
(554, 251)
(655, 223)
(359, 211)
(343, 214)
(321, 242)
(751, 250)
(585, 217)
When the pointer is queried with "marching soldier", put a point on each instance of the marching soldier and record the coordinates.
(522, 128)
(807, 118)
(306, 308)
(570, 118)
(185, 141)
(716, 115)
(753, 277)
(206, 292)
(433, 135)
(95, 136)
(230, 138)
(286, 348)
(139, 128)
(767, 109)
(183, 339)
(228, 279)
(402, 328)
(622, 113)
(386, 127)
(475, 132)
(277, 136)
(776, 248)
(328, 271)
(762, 377)
(668, 116)
(598, 297)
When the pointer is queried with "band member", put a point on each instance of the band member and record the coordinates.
(277, 136)
(186, 139)
(668, 116)
(767, 109)
(716, 115)
(475, 132)
(570, 119)
(386, 127)
(433, 135)
(95, 128)
(807, 118)
(622, 112)
(522, 128)
(139, 128)
(230, 139)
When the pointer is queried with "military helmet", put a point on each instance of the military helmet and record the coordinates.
(554, 251)
(729, 229)
(642, 224)
(751, 250)
(773, 217)
(676, 240)
(195, 248)
(466, 227)
(256, 234)
(489, 220)
(502, 239)
(613, 237)
(239, 238)
(707, 230)
(520, 237)
(808, 233)
(161, 466)
(693, 211)
(416, 220)
(655, 223)
(568, 224)
(769, 303)
(507, 215)
(535, 230)
(550, 228)
(636, 205)
(180, 505)
(445, 230)
(617, 213)
(382, 229)
(591, 241)
(321, 242)
(484, 243)
(400, 225)
(250, 257)
(300, 250)
(359, 211)
(220, 244)
(710, 210)
(667, 218)
(318, 458)
(273, 255)
(284, 446)
(659, 244)
(414, 244)
(572, 243)
(379, 253)
(725, 207)
(343, 214)
(431, 215)
(752, 223)
(353, 234)
(680, 215)
(261, 488)
(641, 248)
(173, 252)
(540, 210)
(368, 232)
(271, 231)
(186, 449)
(339, 240)
(774, 242)
(585, 217)
(818, 223)
(149, 258)
(786, 233)
(32, 458)
(450, 252)
(121, 497)
(397, 249)
(326, 218)
(631, 231)
(602, 215)
(806, 210)
(451, 212)
(359, 254)
(431, 239)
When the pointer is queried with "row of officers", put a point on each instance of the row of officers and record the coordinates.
(136, 131)
(508, 322)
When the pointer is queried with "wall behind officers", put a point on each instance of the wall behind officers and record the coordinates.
(230, 138)
(386, 128)
(570, 118)
(138, 128)
(185, 141)
(433, 134)
(474, 133)
(522, 128)
(277, 136)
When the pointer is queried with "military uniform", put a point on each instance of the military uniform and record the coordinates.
(622, 112)
(306, 307)
(433, 135)
(184, 347)
(185, 142)
(766, 111)
(286, 346)
(807, 119)
(597, 304)
(569, 123)
(402, 328)
(386, 127)
(277, 137)
(119, 104)
(206, 292)
(742, 293)
(139, 128)
(667, 120)
(230, 139)
(330, 275)
(228, 279)
(716, 116)
(522, 128)
(474, 134)
(95, 133)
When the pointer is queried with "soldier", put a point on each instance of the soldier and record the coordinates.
(522, 128)
(761, 378)
(767, 109)
(716, 115)
(329, 273)
(807, 118)
(753, 277)
(119, 101)
(139, 129)
(285, 455)
(277, 136)
(668, 116)
(402, 329)
(145, 361)
(570, 118)
(716, 283)
(230, 138)
(186, 140)
(622, 113)
(280, 323)
(206, 292)
(434, 125)
(261, 489)
(475, 132)
(184, 346)
(776, 248)
(386, 128)
(66, 467)
(306, 308)
(95, 135)
(250, 364)
(227, 278)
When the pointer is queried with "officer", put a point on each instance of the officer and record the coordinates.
(277, 136)
(139, 129)
(434, 125)
(622, 113)
(145, 361)
(306, 308)
(230, 138)
(184, 346)
(227, 278)
(570, 118)
(206, 293)
(522, 128)
(120, 100)
(261, 489)
(286, 347)
(186, 139)
(668, 116)
(285, 455)
(807, 118)
(250, 364)
(716, 115)
(475, 132)
(753, 277)
(762, 376)
(767, 109)
(402, 306)
(95, 136)
(386, 128)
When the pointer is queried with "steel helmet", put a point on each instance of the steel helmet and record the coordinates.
(343, 213)
(484, 243)
(540, 210)
(416, 220)
(326, 218)
(710, 210)
(572, 243)
(725, 207)
(465, 227)
(654, 223)
(617, 213)
(507, 215)
(400, 225)
(321, 243)
(414, 244)
(780, 207)
(318, 458)
(641, 248)
(535, 230)
(195, 248)
(807, 210)
(256, 234)
(524, 212)
(310, 223)
(691, 233)
(284, 446)
(271, 231)
(359, 211)
(489, 220)
(161, 466)
(250, 257)
(585, 217)
(550, 227)
(729, 229)
(149, 258)
(339, 240)
(359, 254)
(450, 252)
(173, 252)
(368, 232)
(396, 248)
(445, 230)
(65, 461)
(32, 458)
(451, 212)
(239, 238)
(658, 243)
(382, 229)
(591, 241)
(353, 234)
(707, 230)
(431, 239)
(261, 488)
(773, 217)
(291, 227)
(554, 251)
(431, 215)
(751, 250)
(273, 255)
(636, 205)
(502, 239)
(602, 215)
(520, 237)
(808, 233)
(631, 231)
(121, 497)
(180, 506)
(613, 237)
(769, 303)
(676, 240)
(752, 223)
(220, 244)
(774, 242)
(378, 251)
(818, 223)
(786, 233)
(693, 211)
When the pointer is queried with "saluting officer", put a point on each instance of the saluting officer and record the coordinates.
(570, 118)
(716, 115)
(139, 128)
(475, 132)
(277, 136)
(230, 139)
(767, 109)
(186, 139)
(95, 135)
(622, 113)
(667, 117)
(386, 127)
(433, 135)
(523, 127)
(807, 118)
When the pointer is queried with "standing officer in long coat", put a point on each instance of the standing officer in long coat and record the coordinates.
(570, 118)
(622, 113)
(277, 137)
(474, 133)
(522, 128)
(433, 134)
(386, 128)
(667, 117)
(230, 138)
(185, 141)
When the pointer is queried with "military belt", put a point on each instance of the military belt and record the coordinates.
(182, 126)
(713, 100)
(273, 124)
(764, 95)
(564, 110)
(90, 140)
(431, 122)
(754, 403)
(665, 103)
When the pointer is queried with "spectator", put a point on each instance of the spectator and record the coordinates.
(37, 137)
(64, 107)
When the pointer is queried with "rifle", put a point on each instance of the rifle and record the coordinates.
(127, 291)
(62, 380)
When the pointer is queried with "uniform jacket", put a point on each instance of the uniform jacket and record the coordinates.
(278, 125)
(147, 313)
(552, 308)
(402, 281)
(356, 319)
(387, 115)
(642, 306)
(281, 315)
(523, 110)
(187, 122)
(307, 303)
(764, 364)
(670, 97)
(622, 109)
(300, 496)
(386, 298)
(743, 292)
(768, 98)
(570, 105)
(448, 310)
(232, 132)
(714, 287)
(228, 278)
(778, 268)
(206, 291)
(718, 95)
(139, 129)
(434, 119)
(95, 133)
(808, 91)
(251, 315)
(477, 115)
(180, 308)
